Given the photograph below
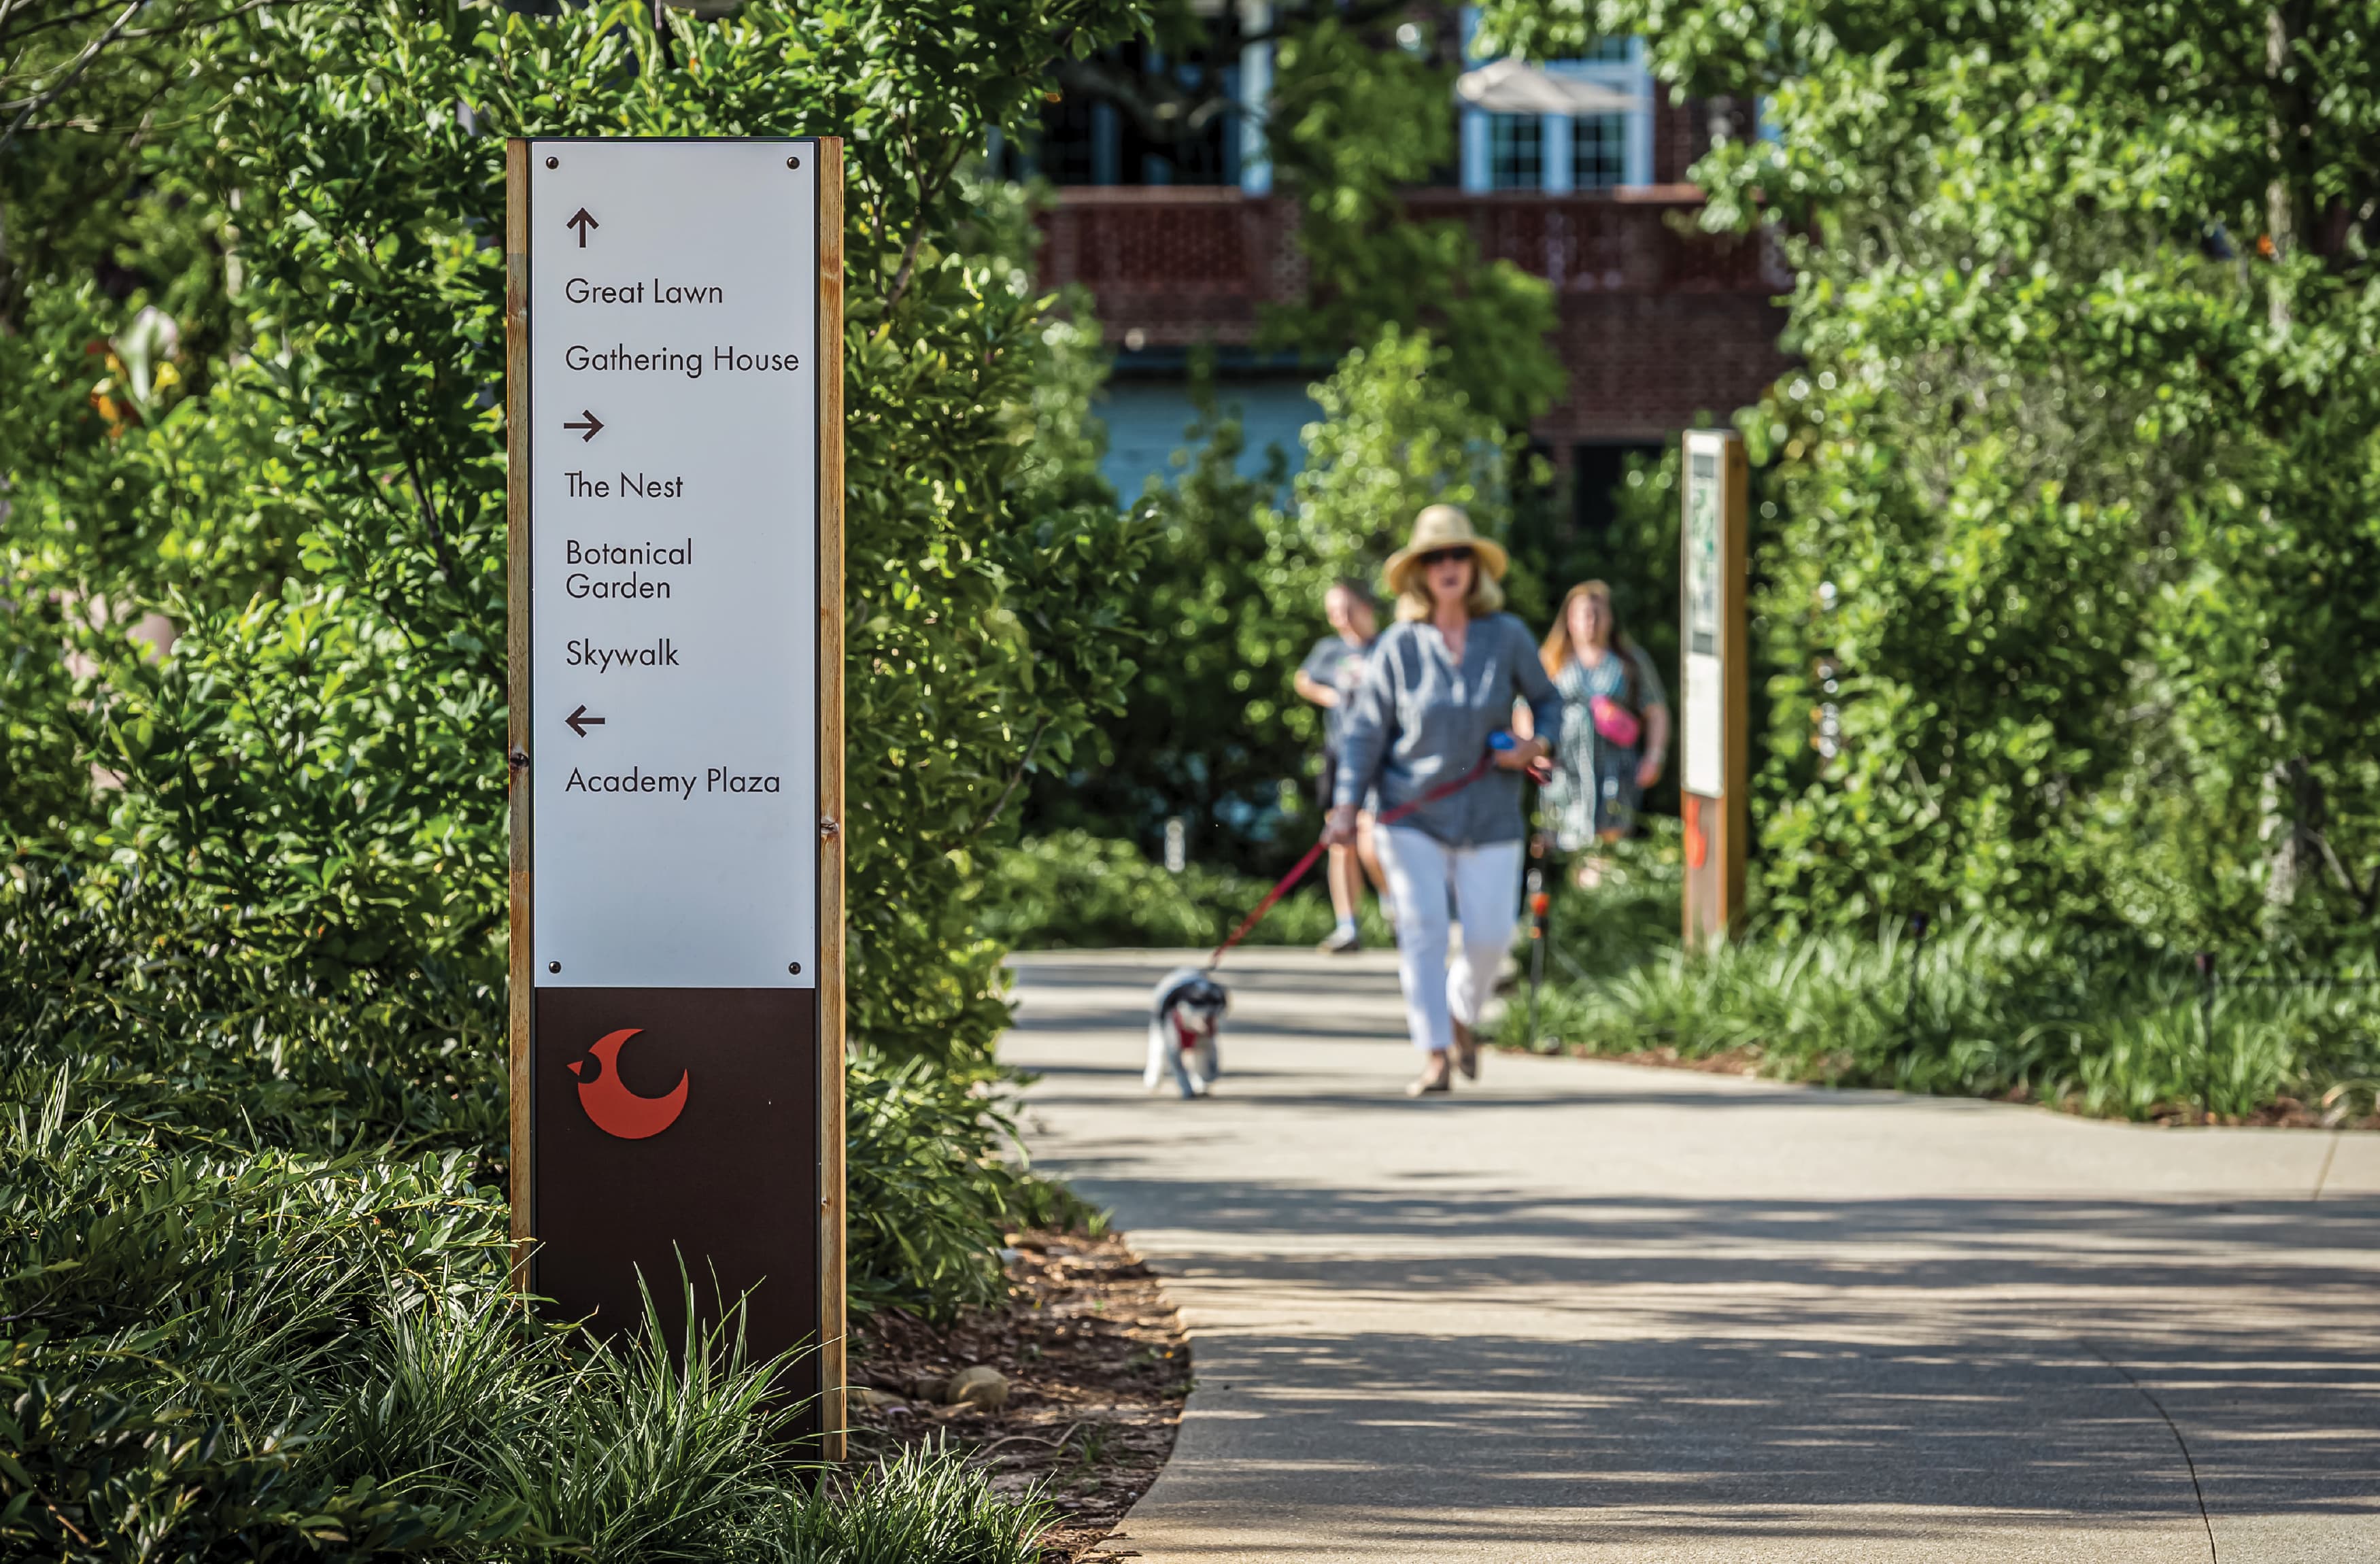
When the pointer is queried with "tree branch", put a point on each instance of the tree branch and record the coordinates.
(437, 528)
(1358, 16)
(926, 193)
(2365, 897)
(74, 73)
(1015, 779)
(10, 10)
(172, 28)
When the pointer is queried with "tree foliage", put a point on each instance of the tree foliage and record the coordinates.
(1354, 122)
(2077, 572)
(276, 423)
(1359, 110)
(1211, 728)
(253, 1268)
(1398, 433)
(1194, 733)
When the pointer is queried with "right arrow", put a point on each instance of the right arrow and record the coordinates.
(579, 721)
(593, 426)
(581, 220)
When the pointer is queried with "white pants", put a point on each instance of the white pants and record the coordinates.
(1486, 885)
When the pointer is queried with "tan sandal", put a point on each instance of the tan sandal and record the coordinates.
(1466, 1051)
(1436, 1076)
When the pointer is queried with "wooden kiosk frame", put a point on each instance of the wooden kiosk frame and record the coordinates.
(830, 861)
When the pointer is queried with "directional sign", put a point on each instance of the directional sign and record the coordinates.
(676, 734)
(1715, 668)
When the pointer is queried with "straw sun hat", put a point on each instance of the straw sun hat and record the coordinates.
(1443, 526)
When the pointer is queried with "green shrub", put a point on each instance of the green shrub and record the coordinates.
(2100, 1023)
(2067, 602)
(211, 1052)
(925, 1506)
(936, 1177)
(2103, 1025)
(1073, 890)
(146, 1001)
(210, 1353)
(251, 987)
(1209, 728)
(1631, 915)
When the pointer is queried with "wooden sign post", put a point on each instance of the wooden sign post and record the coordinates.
(674, 316)
(1716, 669)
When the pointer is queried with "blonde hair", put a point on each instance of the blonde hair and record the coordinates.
(1557, 652)
(1486, 598)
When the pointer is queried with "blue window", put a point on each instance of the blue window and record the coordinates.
(1599, 151)
(1516, 151)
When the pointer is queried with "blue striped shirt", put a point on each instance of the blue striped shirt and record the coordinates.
(1418, 721)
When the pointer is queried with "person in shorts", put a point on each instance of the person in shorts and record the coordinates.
(1326, 678)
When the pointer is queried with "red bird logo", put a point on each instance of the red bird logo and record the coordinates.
(616, 1109)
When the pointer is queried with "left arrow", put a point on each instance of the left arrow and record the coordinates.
(579, 721)
(593, 426)
(581, 220)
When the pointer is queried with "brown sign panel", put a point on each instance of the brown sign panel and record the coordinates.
(677, 1127)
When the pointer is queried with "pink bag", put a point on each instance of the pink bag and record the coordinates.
(1615, 721)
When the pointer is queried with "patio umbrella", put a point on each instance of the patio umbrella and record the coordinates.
(1517, 87)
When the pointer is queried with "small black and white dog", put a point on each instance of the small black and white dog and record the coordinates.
(1185, 1019)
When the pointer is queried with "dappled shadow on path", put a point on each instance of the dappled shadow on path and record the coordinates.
(1776, 1367)
(1409, 1359)
(1317, 1027)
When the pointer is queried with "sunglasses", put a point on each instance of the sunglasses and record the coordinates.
(1437, 557)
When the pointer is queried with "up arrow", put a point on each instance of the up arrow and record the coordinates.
(581, 220)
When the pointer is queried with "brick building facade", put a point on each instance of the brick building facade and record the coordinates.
(1658, 322)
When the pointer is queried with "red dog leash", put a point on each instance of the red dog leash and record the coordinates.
(1297, 871)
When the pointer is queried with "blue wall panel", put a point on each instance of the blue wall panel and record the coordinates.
(1147, 421)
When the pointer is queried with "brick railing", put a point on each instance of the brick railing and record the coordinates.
(1639, 241)
(1178, 264)
(1185, 263)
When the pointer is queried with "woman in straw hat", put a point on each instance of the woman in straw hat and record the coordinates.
(1440, 682)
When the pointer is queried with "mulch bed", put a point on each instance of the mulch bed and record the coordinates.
(2281, 1113)
(1097, 1366)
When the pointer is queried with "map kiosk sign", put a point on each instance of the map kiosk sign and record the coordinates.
(674, 321)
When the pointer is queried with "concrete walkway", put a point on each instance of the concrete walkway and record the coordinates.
(1597, 1312)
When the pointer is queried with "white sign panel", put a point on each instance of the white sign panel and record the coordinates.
(1702, 729)
(673, 323)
